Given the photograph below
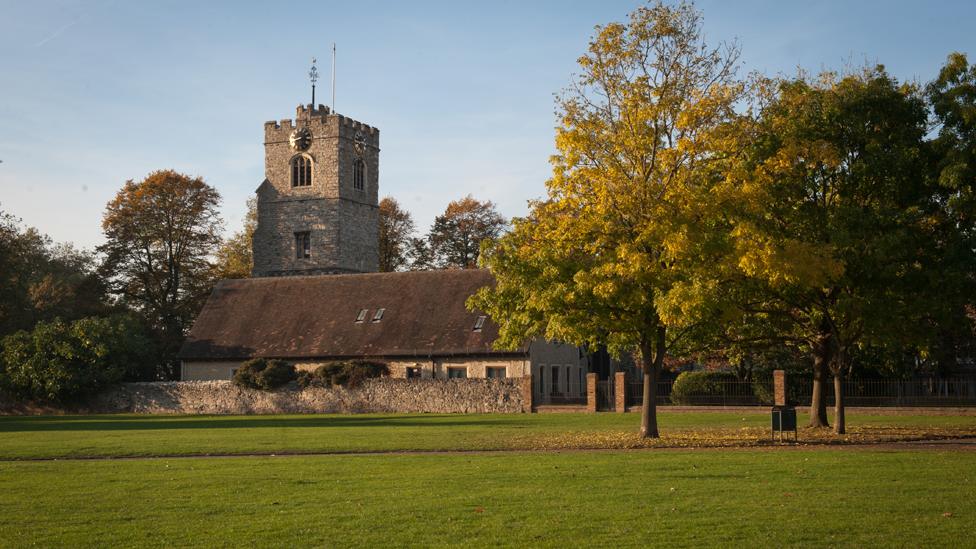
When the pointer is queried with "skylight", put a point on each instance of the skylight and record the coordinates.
(480, 323)
(379, 315)
(362, 315)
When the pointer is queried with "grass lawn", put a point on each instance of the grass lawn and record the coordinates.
(802, 496)
(822, 497)
(135, 435)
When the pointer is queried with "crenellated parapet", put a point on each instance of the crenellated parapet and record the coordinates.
(322, 122)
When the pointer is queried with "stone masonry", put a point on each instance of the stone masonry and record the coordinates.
(343, 221)
(499, 396)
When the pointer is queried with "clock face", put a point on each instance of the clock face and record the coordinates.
(360, 142)
(300, 139)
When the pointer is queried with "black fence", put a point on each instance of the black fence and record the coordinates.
(959, 391)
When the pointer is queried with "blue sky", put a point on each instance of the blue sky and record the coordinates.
(95, 93)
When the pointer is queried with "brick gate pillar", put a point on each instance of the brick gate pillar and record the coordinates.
(591, 393)
(620, 391)
(526, 386)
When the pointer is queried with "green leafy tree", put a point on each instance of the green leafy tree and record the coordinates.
(457, 234)
(396, 230)
(832, 223)
(59, 361)
(619, 253)
(161, 234)
(952, 99)
(40, 280)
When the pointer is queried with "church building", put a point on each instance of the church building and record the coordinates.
(315, 294)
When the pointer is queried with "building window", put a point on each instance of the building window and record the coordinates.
(362, 315)
(303, 245)
(413, 372)
(379, 315)
(554, 388)
(493, 372)
(359, 174)
(301, 171)
(480, 323)
(457, 373)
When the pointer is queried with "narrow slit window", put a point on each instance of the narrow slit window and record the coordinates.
(303, 245)
(359, 175)
(362, 315)
(480, 323)
(379, 315)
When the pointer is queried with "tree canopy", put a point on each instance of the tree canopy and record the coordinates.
(456, 237)
(628, 225)
(396, 229)
(161, 234)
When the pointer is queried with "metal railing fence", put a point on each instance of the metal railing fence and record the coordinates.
(929, 391)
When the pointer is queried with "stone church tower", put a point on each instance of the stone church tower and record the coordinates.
(318, 207)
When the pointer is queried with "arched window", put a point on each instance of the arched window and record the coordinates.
(359, 175)
(301, 171)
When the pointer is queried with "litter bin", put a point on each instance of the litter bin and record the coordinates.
(783, 421)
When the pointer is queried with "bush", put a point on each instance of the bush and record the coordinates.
(247, 374)
(349, 374)
(58, 361)
(689, 385)
(260, 373)
(276, 374)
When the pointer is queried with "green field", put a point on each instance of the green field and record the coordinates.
(136, 435)
(767, 497)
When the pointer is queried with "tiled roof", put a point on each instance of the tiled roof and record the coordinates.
(315, 317)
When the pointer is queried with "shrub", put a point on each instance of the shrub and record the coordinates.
(305, 379)
(697, 384)
(276, 374)
(247, 374)
(59, 361)
(359, 371)
(260, 373)
(349, 374)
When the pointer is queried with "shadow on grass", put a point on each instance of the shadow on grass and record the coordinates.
(11, 424)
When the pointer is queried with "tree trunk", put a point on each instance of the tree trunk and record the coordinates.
(651, 368)
(839, 424)
(818, 405)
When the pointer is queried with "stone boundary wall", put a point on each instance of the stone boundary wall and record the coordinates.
(387, 395)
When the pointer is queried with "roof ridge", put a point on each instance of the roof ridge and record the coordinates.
(373, 275)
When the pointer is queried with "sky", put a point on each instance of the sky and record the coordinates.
(94, 93)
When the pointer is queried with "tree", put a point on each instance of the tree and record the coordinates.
(160, 235)
(396, 229)
(456, 237)
(419, 255)
(952, 100)
(234, 258)
(629, 230)
(832, 222)
(59, 361)
(40, 280)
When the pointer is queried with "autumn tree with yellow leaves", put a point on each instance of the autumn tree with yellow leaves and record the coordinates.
(627, 235)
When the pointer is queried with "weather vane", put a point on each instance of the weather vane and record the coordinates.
(313, 75)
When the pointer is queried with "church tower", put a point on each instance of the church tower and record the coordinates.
(318, 209)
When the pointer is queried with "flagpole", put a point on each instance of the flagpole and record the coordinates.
(333, 75)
